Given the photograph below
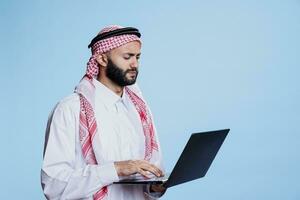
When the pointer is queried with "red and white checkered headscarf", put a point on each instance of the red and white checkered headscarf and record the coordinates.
(105, 45)
(88, 127)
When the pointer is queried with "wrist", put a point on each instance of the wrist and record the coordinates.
(117, 167)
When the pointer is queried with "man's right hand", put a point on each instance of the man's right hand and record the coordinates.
(130, 167)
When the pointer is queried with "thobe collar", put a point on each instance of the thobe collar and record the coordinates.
(107, 96)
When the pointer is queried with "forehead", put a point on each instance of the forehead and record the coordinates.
(133, 47)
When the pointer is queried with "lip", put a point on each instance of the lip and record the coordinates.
(132, 72)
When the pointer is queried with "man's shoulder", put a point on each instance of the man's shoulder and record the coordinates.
(68, 106)
(70, 103)
(70, 99)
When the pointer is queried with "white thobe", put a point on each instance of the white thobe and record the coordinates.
(65, 174)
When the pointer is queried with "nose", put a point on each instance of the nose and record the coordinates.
(134, 63)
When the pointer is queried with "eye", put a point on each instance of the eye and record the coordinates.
(126, 57)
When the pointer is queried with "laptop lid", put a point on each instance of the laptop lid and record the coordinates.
(196, 157)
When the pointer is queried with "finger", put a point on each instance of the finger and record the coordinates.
(143, 173)
(151, 169)
(158, 172)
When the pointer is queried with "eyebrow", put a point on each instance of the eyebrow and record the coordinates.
(132, 54)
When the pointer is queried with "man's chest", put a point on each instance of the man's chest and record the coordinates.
(120, 131)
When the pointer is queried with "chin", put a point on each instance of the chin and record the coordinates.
(131, 79)
(131, 82)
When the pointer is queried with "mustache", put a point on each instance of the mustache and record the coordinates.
(131, 70)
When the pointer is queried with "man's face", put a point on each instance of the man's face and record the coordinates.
(119, 76)
(123, 63)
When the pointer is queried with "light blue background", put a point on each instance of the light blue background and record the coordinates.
(205, 65)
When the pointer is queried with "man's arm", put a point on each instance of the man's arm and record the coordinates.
(61, 176)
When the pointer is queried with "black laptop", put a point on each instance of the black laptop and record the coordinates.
(193, 163)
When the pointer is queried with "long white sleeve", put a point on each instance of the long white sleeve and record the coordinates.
(63, 176)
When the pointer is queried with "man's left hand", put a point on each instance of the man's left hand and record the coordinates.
(157, 188)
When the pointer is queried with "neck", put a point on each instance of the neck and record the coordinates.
(111, 85)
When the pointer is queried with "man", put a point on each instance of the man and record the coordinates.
(104, 130)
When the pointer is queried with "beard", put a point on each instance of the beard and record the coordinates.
(118, 75)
